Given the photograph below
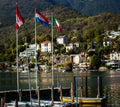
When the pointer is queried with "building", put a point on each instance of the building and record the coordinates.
(107, 43)
(114, 60)
(46, 46)
(70, 46)
(114, 34)
(29, 52)
(82, 60)
(115, 56)
(63, 40)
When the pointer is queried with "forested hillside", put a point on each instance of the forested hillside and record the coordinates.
(84, 29)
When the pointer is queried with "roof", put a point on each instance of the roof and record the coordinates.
(46, 42)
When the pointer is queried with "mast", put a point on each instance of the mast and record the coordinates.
(52, 91)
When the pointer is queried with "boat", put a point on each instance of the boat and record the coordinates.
(84, 100)
(54, 104)
(27, 104)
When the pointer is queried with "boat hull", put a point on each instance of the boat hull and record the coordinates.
(84, 100)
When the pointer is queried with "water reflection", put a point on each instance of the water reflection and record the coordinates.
(92, 105)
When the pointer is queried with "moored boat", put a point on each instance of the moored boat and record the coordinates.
(49, 103)
(84, 100)
(27, 104)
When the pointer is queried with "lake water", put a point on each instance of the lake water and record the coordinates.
(110, 83)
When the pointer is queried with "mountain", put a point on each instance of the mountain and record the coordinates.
(87, 7)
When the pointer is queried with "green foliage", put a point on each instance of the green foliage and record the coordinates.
(68, 66)
(95, 61)
(77, 27)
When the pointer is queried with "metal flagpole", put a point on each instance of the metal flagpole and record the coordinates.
(17, 60)
(36, 67)
(19, 22)
(52, 91)
(18, 83)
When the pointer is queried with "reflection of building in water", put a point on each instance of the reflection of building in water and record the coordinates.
(91, 105)
(113, 93)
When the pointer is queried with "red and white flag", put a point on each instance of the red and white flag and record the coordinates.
(19, 18)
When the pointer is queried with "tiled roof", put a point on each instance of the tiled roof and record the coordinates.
(46, 42)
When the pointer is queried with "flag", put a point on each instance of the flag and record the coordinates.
(55, 22)
(19, 18)
(42, 19)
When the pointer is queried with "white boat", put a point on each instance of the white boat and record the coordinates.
(34, 103)
(26, 104)
(48, 103)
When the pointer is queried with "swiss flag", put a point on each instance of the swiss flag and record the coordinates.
(19, 18)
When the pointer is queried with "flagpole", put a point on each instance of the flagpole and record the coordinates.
(52, 91)
(19, 22)
(36, 68)
(18, 83)
(17, 60)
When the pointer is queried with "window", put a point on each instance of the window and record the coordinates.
(46, 45)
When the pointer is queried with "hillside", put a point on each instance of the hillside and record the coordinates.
(87, 7)
(85, 28)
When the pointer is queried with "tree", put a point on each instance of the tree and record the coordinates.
(95, 61)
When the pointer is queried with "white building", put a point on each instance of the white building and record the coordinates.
(114, 34)
(62, 40)
(107, 43)
(81, 59)
(70, 46)
(29, 52)
(115, 56)
(46, 46)
(114, 59)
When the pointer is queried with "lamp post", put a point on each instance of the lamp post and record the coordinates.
(76, 86)
(76, 79)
